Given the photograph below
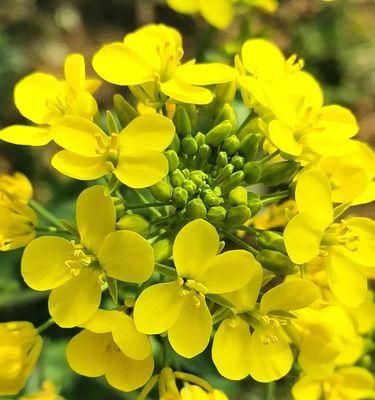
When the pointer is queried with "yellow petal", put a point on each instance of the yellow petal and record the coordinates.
(78, 135)
(178, 90)
(356, 382)
(26, 135)
(126, 374)
(79, 167)
(119, 64)
(142, 169)
(101, 321)
(302, 237)
(218, 13)
(345, 279)
(231, 349)
(127, 256)
(132, 343)
(157, 308)
(205, 74)
(148, 132)
(84, 105)
(96, 217)
(337, 123)
(313, 192)
(43, 262)
(289, 295)
(200, 241)
(190, 333)
(87, 353)
(76, 301)
(31, 96)
(74, 69)
(227, 272)
(272, 361)
(184, 6)
(262, 58)
(307, 389)
(282, 137)
(246, 298)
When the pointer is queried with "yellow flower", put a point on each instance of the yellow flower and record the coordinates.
(149, 61)
(194, 392)
(110, 345)
(20, 346)
(17, 223)
(179, 307)
(134, 155)
(350, 383)
(43, 99)
(48, 392)
(263, 353)
(75, 271)
(345, 245)
(16, 187)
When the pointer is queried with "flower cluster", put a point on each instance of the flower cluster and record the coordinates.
(196, 227)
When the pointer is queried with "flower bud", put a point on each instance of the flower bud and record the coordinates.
(162, 191)
(216, 214)
(196, 209)
(198, 177)
(276, 262)
(162, 250)
(125, 111)
(227, 113)
(200, 138)
(250, 145)
(182, 121)
(231, 145)
(225, 92)
(254, 203)
(16, 187)
(190, 187)
(177, 178)
(189, 146)
(173, 160)
(279, 172)
(135, 223)
(219, 133)
(272, 241)
(236, 178)
(238, 215)
(237, 162)
(180, 197)
(20, 347)
(203, 153)
(211, 199)
(111, 123)
(222, 159)
(225, 173)
(176, 144)
(252, 171)
(238, 196)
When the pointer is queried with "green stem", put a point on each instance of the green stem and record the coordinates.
(148, 387)
(246, 121)
(155, 212)
(272, 198)
(193, 379)
(269, 157)
(166, 270)
(45, 326)
(240, 242)
(45, 213)
(52, 229)
(270, 391)
(147, 205)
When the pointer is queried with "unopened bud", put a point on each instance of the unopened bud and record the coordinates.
(162, 191)
(189, 146)
(272, 241)
(124, 110)
(200, 138)
(277, 262)
(190, 187)
(135, 223)
(225, 173)
(176, 144)
(225, 92)
(254, 203)
(162, 250)
(180, 197)
(252, 171)
(219, 133)
(227, 113)
(231, 145)
(173, 160)
(177, 178)
(236, 178)
(182, 121)
(198, 177)
(250, 145)
(196, 209)
(238, 196)
(203, 153)
(216, 214)
(111, 123)
(238, 215)
(222, 159)
(279, 172)
(211, 199)
(237, 162)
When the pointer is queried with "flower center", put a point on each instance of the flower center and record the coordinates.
(108, 147)
(170, 59)
(338, 234)
(192, 287)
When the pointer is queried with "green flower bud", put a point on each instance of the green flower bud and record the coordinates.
(162, 191)
(173, 160)
(272, 241)
(250, 145)
(182, 121)
(216, 214)
(252, 171)
(200, 138)
(237, 162)
(125, 111)
(280, 172)
(236, 178)
(189, 146)
(238, 215)
(227, 113)
(224, 173)
(211, 199)
(190, 187)
(196, 209)
(224, 93)
(176, 144)
(186, 172)
(222, 159)
(135, 223)
(111, 122)
(180, 197)
(219, 133)
(177, 178)
(231, 145)
(162, 250)
(254, 203)
(276, 262)
(216, 190)
(203, 153)
(191, 109)
(238, 196)
(198, 177)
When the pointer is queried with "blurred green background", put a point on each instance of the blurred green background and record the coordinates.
(337, 40)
